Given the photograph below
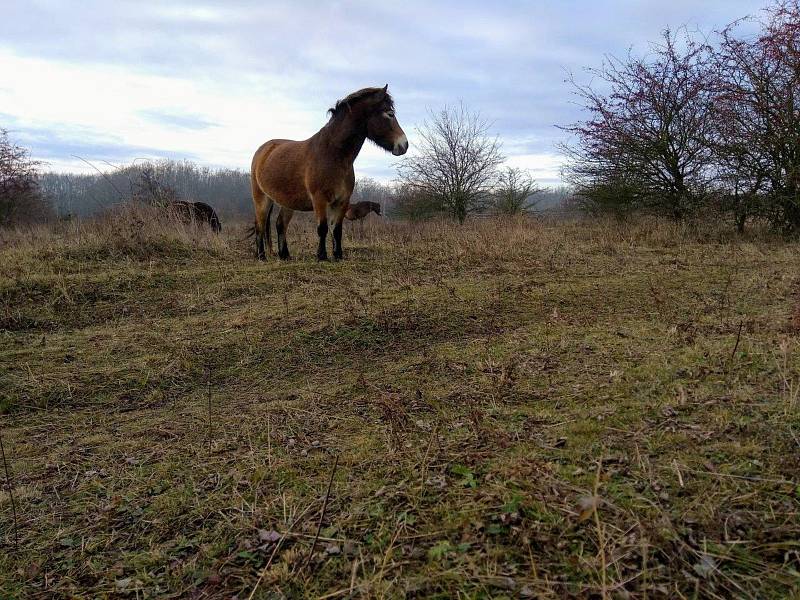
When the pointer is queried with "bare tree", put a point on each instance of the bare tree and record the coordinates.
(757, 118)
(456, 163)
(647, 129)
(411, 203)
(515, 192)
(149, 187)
(20, 199)
(369, 190)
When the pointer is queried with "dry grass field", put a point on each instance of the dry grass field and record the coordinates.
(514, 409)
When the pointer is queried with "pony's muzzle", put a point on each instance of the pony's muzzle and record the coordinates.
(400, 146)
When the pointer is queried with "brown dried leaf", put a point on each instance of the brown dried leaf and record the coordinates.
(268, 536)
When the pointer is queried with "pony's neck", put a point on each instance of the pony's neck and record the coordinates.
(346, 135)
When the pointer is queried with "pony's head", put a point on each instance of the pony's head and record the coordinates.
(375, 108)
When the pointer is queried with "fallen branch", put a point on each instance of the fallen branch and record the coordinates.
(738, 337)
(10, 493)
(322, 512)
(210, 426)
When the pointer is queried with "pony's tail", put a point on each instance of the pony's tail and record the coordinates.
(268, 226)
(251, 231)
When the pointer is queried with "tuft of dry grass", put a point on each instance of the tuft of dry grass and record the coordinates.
(518, 408)
(795, 317)
(127, 231)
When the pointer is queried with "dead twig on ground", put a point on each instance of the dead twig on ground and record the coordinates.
(10, 493)
(322, 512)
(738, 337)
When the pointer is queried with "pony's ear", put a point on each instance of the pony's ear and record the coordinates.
(385, 88)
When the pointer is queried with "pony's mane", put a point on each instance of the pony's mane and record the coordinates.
(356, 97)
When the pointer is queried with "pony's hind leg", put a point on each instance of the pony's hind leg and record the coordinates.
(263, 207)
(281, 224)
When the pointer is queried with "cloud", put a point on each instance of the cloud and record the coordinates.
(176, 119)
(214, 80)
(544, 167)
(75, 146)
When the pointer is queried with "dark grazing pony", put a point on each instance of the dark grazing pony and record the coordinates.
(359, 210)
(199, 212)
(317, 173)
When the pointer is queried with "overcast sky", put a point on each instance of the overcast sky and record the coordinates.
(116, 80)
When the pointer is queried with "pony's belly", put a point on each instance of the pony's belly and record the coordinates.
(288, 195)
(293, 202)
(280, 176)
(302, 205)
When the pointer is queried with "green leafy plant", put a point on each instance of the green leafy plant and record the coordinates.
(467, 476)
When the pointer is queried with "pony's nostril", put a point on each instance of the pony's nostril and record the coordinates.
(400, 146)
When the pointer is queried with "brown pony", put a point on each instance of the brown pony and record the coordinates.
(317, 173)
(199, 212)
(359, 210)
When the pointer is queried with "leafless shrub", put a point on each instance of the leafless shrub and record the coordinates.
(515, 192)
(148, 188)
(455, 168)
(757, 119)
(20, 199)
(697, 127)
(414, 203)
(644, 144)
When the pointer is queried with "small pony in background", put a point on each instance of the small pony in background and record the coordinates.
(199, 212)
(359, 210)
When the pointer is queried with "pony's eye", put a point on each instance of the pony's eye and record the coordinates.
(389, 114)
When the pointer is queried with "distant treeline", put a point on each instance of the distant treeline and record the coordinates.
(227, 190)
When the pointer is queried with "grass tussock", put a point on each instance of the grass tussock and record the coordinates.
(518, 409)
(131, 230)
(796, 310)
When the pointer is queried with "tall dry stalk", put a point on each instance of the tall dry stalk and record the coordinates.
(10, 492)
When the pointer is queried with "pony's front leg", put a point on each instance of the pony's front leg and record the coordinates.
(321, 212)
